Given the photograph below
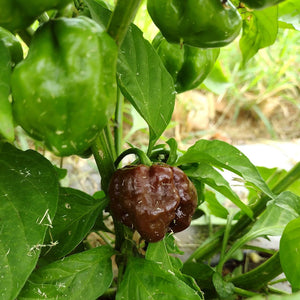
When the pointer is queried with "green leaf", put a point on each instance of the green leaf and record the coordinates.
(145, 279)
(223, 288)
(28, 199)
(159, 253)
(259, 31)
(201, 272)
(99, 11)
(214, 206)
(223, 155)
(75, 216)
(211, 177)
(288, 13)
(145, 82)
(279, 212)
(86, 275)
(290, 252)
(6, 118)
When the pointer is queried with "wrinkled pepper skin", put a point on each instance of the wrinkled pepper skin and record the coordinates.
(198, 23)
(64, 91)
(12, 44)
(19, 14)
(261, 4)
(153, 200)
(188, 65)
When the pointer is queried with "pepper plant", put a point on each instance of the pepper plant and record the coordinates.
(84, 58)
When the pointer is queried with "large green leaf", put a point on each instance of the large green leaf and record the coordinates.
(223, 155)
(141, 76)
(86, 275)
(160, 253)
(145, 279)
(145, 82)
(75, 216)
(210, 176)
(259, 31)
(279, 212)
(288, 13)
(28, 199)
(290, 252)
(6, 119)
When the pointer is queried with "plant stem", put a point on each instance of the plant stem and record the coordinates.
(104, 158)
(118, 126)
(225, 242)
(259, 276)
(122, 16)
(244, 293)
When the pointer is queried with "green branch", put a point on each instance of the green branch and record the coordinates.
(121, 18)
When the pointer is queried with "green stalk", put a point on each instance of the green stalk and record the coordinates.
(104, 158)
(244, 293)
(118, 126)
(143, 158)
(224, 243)
(213, 244)
(259, 276)
(121, 18)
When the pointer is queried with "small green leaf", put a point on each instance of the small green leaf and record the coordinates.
(99, 11)
(259, 31)
(6, 118)
(290, 252)
(145, 279)
(223, 288)
(145, 82)
(223, 155)
(28, 199)
(86, 275)
(211, 177)
(75, 216)
(288, 13)
(214, 206)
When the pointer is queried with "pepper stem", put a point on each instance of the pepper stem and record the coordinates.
(143, 158)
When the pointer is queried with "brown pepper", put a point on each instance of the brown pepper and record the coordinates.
(153, 200)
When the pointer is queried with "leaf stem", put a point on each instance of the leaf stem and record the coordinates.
(143, 158)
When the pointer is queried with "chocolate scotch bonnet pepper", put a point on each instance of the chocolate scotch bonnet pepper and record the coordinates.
(153, 200)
